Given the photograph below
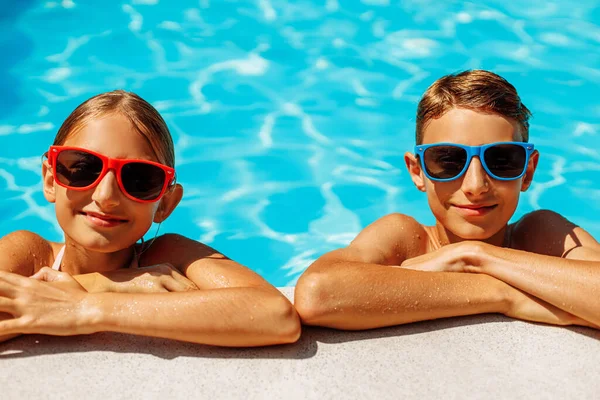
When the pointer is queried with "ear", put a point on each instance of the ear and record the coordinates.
(168, 203)
(530, 171)
(414, 169)
(48, 181)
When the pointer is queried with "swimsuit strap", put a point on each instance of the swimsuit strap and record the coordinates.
(58, 259)
(508, 237)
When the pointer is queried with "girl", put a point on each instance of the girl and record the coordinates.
(110, 175)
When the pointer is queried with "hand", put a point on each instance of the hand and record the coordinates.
(50, 302)
(154, 279)
(465, 256)
(524, 306)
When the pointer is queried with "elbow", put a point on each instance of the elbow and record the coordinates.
(311, 299)
(285, 321)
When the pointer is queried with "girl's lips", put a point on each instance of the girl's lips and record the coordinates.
(105, 221)
(474, 211)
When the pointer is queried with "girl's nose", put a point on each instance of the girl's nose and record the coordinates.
(107, 193)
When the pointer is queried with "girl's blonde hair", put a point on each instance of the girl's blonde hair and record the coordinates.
(146, 120)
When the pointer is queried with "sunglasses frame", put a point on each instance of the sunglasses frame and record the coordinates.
(473, 151)
(108, 164)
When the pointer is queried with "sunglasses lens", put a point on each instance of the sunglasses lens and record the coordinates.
(506, 160)
(77, 168)
(143, 181)
(444, 162)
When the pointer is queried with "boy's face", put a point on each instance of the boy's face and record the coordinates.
(473, 206)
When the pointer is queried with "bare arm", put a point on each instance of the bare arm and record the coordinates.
(565, 274)
(352, 288)
(234, 306)
(205, 316)
(358, 295)
(357, 288)
(21, 252)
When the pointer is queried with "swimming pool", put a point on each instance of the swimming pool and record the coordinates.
(291, 119)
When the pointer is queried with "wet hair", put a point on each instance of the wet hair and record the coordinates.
(476, 90)
(144, 118)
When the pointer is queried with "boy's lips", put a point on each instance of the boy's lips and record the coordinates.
(103, 220)
(474, 210)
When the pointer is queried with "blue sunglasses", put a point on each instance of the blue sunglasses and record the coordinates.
(504, 161)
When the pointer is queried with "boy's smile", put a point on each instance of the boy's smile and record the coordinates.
(474, 210)
(474, 206)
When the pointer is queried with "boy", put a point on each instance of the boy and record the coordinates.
(472, 159)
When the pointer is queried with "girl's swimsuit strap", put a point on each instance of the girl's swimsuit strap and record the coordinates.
(58, 259)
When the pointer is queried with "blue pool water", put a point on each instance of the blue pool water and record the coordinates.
(291, 118)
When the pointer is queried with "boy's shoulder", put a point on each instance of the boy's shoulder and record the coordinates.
(396, 237)
(544, 232)
(24, 252)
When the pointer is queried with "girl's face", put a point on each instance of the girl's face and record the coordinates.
(473, 206)
(102, 218)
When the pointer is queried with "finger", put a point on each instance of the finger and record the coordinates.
(417, 260)
(47, 274)
(13, 279)
(7, 290)
(172, 285)
(7, 306)
(11, 326)
(417, 267)
(179, 277)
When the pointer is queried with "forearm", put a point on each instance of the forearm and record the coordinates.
(352, 295)
(4, 338)
(571, 285)
(222, 317)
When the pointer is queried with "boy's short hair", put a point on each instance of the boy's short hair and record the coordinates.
(476, 90)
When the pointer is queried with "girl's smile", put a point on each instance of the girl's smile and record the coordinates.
(103, 220)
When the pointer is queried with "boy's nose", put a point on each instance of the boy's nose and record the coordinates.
(475, 180)
(107, 192)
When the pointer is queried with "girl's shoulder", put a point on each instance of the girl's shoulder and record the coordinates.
(174, 249)
(24, 252)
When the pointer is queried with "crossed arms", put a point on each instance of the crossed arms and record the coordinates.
(386, 277)
(232, 306)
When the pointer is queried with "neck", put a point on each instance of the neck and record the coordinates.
(445, 237)
(78, 260)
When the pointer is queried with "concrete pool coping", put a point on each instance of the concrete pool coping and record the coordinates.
(484, 356)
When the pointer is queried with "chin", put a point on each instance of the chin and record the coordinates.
(96, 242)
(474, 232)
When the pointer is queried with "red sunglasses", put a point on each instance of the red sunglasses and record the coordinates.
(80, 169)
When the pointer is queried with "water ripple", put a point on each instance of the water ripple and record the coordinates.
(291, 119)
